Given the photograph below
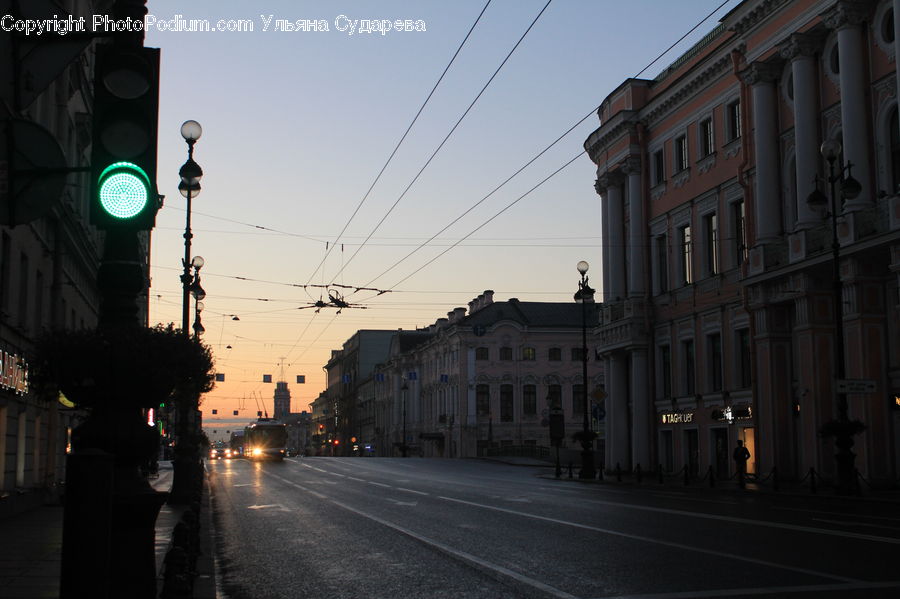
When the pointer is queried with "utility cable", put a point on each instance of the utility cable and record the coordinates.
(530, 162)
(447, 137)
(397, 147)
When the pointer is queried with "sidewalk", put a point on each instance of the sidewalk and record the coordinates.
(31, 545)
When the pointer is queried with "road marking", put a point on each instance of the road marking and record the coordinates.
(267, 506)
(446, 549)
(359, 480)
(372, 482)
(762, 591)
(412, 491)
(338, 474)
(654, 541)
(751, 522)
(855, 523)
(397, 502)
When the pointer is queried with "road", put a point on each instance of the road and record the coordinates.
(391, 528)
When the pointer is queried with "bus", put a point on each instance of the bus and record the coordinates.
(265, 439)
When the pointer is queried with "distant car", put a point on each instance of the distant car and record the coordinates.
(219, 454)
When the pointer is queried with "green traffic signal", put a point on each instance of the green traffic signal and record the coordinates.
(123, 190)
(124, 138)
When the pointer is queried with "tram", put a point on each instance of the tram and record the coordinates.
(265, 439)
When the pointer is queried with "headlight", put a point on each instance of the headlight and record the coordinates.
(257, 451)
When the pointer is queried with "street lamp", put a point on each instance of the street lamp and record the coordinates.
(584, 296)
(842, 429)
(199, 294)
(403, 391)
(190, 173)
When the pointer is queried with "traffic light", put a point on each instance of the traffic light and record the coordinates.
(125, 122)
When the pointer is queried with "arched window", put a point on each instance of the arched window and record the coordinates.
(894, 136)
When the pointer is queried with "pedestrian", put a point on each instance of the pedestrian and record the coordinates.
(741, 455)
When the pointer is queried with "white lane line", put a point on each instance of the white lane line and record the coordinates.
(359, 480)
(412, 491)
(462, 555)
(855, 523)
(372, 482)
(654, 541)
(751, 522)
(338, 474)
(762, 591)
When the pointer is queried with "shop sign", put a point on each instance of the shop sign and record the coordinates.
(677, 417)
(13, 373)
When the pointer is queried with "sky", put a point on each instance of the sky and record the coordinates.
(298, 124)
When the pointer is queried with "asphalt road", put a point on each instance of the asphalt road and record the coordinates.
(407, 528)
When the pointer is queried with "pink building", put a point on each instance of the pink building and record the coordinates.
(718, 319)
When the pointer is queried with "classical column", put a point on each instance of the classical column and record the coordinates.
(643, 413)
(846, 18)
(637, 238)
(615, 243)
(602, 187)
(761, 78)
(800, 50)
(896, 4)
(617, 412)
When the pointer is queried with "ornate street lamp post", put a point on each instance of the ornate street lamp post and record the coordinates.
(584, 296)
(190, 173)
(842, 428)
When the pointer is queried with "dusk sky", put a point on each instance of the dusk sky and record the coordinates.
(298, 124)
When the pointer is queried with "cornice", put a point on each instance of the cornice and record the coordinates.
(620, 124)
(673, 99)
(757, 15)
(846, 13)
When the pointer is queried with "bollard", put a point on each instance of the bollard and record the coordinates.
(618, 473)
(570, 469)
(638, 474)
(712, 478)
(660, 473)
(600, 473)
(774, 478)
(687, 476)
(812, 480)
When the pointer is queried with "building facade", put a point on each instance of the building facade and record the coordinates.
(487, 379)
(718, 316)
(49, 253)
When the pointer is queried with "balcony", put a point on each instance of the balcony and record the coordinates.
(622, 324)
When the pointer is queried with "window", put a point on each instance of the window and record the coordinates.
(38, 301)
(706, 138)
(895, 149)
(578, 400)
(687, 273)
(506, 354)
(554, 396)
(506, 403)
(687, 350)
(23, 290)
(554, 354)
(834, 61)
(5, 259)
(483, 399)
(887, 26)
(711, 230)
(662, 264)
(681, 153)
(659, 167)
(529, 400)
(733, 114)
(714, 347)
(481, 353)
(528, 354)
(665, 370)
(739, 232)
(577, 354)
(743, 358)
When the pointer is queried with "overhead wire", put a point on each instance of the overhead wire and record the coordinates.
(530, 162)
(447, 137)
(400, 142)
